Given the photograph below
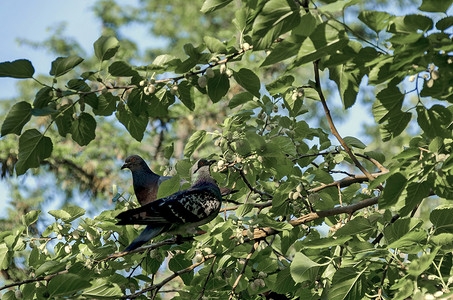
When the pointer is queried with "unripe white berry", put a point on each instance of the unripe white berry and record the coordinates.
(198, 258)
(68, 249)
(412, 78)
(90, 237)
(220, 164)
(75, 234)
(146, 90)
(142, 83)
(210, 73)
(299, 188)
(173, 90)
(18, 294)
(202, 81)
(246, 46)
(222, 68)
(59, 237)
(435, 75)
(262, 274)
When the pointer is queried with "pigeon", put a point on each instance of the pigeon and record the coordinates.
(146, 182)
(179, 213)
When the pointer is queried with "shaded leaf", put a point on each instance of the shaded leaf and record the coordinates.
(248, 80)
(185, 94)
(376, 20)
(218, 86)
(63, 65)
(213, 5)
(20, 68)
(441, 218)
(121, 69)
(354, 142)
(179, 262)
(68, 214)
(239, 99)
(66, 284)
(214, 45)
(136, 125)
(106, 47)
(83, 129)
(16, 119)
(347, 283)
(194, 142)
(300, 267)
(435, 5)
(31, 217)
(395, 185)
(33, 148)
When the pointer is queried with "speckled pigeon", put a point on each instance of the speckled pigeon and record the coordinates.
(179, 213)
(146, 182)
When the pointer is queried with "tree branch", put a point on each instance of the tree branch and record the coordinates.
(333, 129)
(169, 278)
(255, 245)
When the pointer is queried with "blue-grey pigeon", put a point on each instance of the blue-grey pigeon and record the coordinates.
(179, 213)
(146, 182)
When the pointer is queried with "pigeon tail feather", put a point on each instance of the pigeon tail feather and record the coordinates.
(147, 234)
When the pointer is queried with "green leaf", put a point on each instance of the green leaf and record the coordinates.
(83, 129)
(348, 80)
(68, 214)
(106, 47)
(326, 242)
(301, 266)
(416, 192)
(31, 217)
(122, 69)
(419, 265)
(136, 125)
(441, 218)
(239, 99)
(179, 262)
(284, 282)
(325, 40)
(358, 225)
(63, 65)
(347, 283)
(218, 86)
(248, 80)
(282, 51)
(185, 94)
(106, 104)
(33, 148)
(280, 85)
(168, 187)
(194, 142)
(395, 185)
(435, 5)
(213, 5)
(20, 68)
(389, 102)
(276, 18)
(43, 97)
(16, 119)
(354, 142)
(103, 288)
(66, 284)
(445, 23)
(214, 45)
(4, 257)
(434, 121)
(376, 20)
(395, 125)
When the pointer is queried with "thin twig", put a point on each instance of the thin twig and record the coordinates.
(333, 129)
(255, 245)
(207, 279)
(375, 162)
(244, 178)
(169, 278)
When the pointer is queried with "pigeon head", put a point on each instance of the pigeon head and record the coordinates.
(200, 170)
(134, 162)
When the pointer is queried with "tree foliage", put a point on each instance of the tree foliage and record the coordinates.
(316, 215)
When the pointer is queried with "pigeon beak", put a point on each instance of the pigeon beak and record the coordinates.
(212, 161)
(125, 166)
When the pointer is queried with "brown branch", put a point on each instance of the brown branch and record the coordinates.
(41, 278)
(346, 181)
(333, 129)
(255, 245)
(169, 278)
(375, 162)
(260, 233)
